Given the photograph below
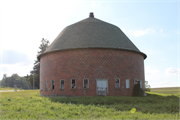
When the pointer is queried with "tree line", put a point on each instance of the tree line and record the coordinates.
(15, 79)
(26, 82)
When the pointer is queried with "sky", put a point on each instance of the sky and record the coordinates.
(152, 25)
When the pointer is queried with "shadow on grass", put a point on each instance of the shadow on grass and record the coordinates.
(153, 103)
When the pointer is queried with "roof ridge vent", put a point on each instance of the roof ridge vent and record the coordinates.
(91, 15)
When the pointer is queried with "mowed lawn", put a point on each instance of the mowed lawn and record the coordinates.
(28, 104)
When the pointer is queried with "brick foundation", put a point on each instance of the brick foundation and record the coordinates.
(92, 64)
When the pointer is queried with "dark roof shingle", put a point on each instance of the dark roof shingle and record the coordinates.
(92, 33)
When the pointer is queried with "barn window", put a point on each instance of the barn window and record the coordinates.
(73, 83)
(61, 84)
(85, 83)
(127, 83)
(52, 84)
(136, 81)
(46, 85)
(41, 86)
(117, 83)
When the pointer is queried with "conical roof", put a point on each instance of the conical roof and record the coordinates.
(92, 33)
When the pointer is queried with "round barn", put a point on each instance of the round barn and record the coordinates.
(91, 58)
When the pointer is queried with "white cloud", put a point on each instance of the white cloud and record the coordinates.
(162, 59)
(94, 4)
(156, 77)
(151, 72)
(161, 31)
(177, 32)
(18, 68)
(21, 36)
(138, 33)
(172, 71)
(166, 83)
(14, 56)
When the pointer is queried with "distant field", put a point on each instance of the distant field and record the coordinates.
(28, 104)
(166, 90)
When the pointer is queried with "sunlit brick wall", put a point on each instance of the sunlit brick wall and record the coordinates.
(92, 64)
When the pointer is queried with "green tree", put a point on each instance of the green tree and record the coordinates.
(3, 82)
(147, 87)
(15, 79)
(36, 69)
(30, 80)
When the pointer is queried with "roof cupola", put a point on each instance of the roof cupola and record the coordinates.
(91, 15)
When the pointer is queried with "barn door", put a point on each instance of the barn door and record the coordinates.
(102, 87)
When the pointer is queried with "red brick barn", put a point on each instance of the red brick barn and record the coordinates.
(91, 58)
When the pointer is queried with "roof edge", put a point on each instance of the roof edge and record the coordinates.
(145, 56)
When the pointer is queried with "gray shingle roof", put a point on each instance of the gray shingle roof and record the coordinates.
(92, 33)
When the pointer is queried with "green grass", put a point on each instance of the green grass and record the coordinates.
(29, 105)
(19, 94)
(166, 90)
(7, 88)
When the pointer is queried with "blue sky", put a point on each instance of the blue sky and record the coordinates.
(152, 25)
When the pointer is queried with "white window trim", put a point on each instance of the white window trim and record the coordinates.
(119, 82)
(41, 86)
(126, 84)
(60, 83)
(83, 82)
(71, 83)
(51, 84)
(141, 84)
(46, 85)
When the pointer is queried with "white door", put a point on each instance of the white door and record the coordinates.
(102, 87)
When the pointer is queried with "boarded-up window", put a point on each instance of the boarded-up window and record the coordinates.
(52, 84)
(136, 82)
(85, 83)
(46, 85)
(127, 83)
(102, 87)
(61, 84)
(117, 83)
(73, 83)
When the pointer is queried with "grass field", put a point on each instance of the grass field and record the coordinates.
(8, 88)
(29, 105)
(166, 90)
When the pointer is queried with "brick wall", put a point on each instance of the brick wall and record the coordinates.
(92, 64)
